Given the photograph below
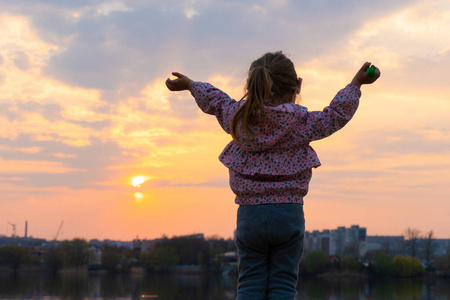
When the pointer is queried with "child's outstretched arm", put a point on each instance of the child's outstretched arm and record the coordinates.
(321, 124)
(208, 98)
(180, 84)
(361, 76)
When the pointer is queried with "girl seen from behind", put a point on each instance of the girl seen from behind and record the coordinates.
(270, 165)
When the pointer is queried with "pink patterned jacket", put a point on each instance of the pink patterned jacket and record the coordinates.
(274, 165)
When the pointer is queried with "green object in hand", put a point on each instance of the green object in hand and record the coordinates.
(371, 71)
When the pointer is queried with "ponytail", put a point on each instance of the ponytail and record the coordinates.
(259, 89)
(269, 80)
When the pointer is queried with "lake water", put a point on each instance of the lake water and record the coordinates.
(205, 287)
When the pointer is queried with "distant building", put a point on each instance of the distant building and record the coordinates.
(119, 244)
(21, 241)
(391, 245)
(441, 247)
(340, 241)
(354, 241)
(145, 245)
(196, 236)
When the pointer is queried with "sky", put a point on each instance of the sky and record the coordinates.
(84, 112)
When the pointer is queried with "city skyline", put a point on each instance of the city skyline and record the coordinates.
(90, 135)
(59, 234)
(340, 241)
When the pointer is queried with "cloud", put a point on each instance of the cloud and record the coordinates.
(21, 60)
(53, 164)
(403, 142)
(113, 46)
(51, 112)
(113, 52)
(215, 184)
(379, 154)
(420, 168)
(40, 167)
(106, 8)
(410, 46)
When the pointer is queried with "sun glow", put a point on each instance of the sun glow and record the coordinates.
(138, 196)
(138, 180)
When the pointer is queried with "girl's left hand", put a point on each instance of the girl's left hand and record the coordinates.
(181, 83)
(362, 78)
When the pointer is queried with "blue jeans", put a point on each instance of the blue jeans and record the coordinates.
(269, 239)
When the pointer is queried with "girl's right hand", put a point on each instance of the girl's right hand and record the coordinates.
(362, 78)
(181, 83)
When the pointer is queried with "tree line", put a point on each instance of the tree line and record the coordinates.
(207, 253)
(375, 263)
(414, 257)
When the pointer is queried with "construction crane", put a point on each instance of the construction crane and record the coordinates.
(57, 233)
(13, 229)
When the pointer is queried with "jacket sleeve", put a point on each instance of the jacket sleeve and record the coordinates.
(321, 124)
(215, 102)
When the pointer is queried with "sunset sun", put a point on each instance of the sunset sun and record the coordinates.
(138, 180)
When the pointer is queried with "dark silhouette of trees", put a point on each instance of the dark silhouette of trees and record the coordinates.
(412, 236)
(217, 255)
(75, 252)
(226, 244)
(187, 250)
(14, 256)
(164, 258)
(191, 250)
(443, 264)
(403, 266)
(53, 259)
(110, 257)
(115, 259)
(349, 263)
(428, 248)
(316, 262)
(160, 258)
(382, 264)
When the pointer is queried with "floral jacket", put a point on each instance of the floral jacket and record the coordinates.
(274, 165)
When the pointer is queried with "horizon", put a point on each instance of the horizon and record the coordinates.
(60, 232)
(90, 135)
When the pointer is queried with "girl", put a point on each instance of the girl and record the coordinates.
(270, 163)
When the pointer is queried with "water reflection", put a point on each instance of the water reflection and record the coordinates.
(217, 287)
(114, 286)
(360, 288)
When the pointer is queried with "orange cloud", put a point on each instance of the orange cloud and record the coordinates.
(26, 167)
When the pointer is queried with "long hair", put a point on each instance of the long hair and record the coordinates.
(271, 81)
